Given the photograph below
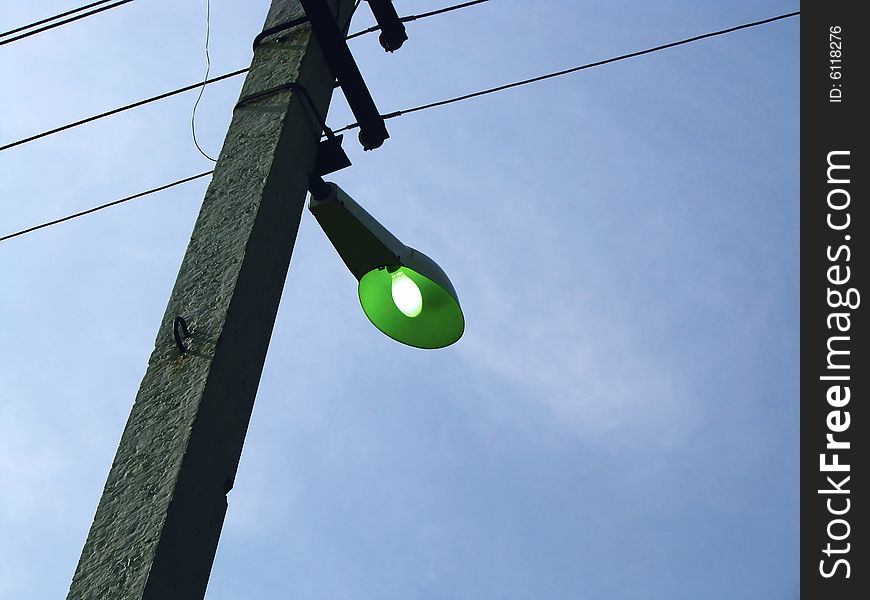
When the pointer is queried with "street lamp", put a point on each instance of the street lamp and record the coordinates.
(403, 292)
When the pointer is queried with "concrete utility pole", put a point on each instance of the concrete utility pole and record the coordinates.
(157, 525)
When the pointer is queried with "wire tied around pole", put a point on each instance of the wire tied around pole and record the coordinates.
(278, 29)
(330, 156)
(296, 87)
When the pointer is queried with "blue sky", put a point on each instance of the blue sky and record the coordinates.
(620, 419)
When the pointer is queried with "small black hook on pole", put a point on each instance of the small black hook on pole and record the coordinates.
(180, 332)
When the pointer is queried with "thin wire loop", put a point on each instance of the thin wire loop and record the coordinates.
(330, 133)
(204, 79)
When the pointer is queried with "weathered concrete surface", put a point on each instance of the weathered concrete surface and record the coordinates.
(158, 522)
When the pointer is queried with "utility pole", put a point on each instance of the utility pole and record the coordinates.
(157, 524)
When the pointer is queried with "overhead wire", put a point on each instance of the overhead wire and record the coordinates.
(599, 63)
(409, 110)
(193, 86)
(75, 17)
(410, 18)
(121, 109)
(58, 16)
(152, 190)
(402, 112)
(106, 205)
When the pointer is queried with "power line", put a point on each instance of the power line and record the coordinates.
(507, 86)
(60, 16)
(121, 109)
(107, 205)
(410, 18)
(187, 88)
(75, 17)
(401, 112)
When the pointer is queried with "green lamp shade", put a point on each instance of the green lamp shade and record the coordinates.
(403, 292)
(411, 308)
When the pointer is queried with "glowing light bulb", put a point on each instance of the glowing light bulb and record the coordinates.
(406, 295)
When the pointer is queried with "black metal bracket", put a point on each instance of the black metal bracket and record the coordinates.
(393, 33)
(331, 157)
(373, 130)
(180, 332)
